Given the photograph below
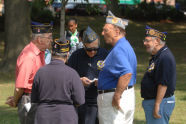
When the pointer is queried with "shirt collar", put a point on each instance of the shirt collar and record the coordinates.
(160, 51)
(73, 34)
(35, 48)
(56, 61)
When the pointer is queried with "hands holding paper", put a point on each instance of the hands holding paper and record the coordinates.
(87, 81)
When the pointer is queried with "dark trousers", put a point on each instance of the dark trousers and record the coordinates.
(24, 116)
(88, 114)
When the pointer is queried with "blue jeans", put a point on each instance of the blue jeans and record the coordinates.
(166, 108)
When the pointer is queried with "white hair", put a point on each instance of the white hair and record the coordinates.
(161, 42)
(34, 36)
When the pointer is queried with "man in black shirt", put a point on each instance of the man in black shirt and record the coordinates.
(159, 81)
(57, 88)
(87, 62)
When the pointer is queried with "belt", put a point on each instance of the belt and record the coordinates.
(27, 94)
(163, 97)
(112, 90)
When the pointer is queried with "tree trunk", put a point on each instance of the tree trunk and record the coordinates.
(17, 31)
(62, 19)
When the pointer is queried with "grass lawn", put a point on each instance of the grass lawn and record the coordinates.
(176, 40)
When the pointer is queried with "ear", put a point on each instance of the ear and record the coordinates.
(117, 31)
(157, 41)
(39, 40)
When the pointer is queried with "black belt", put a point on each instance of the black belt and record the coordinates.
(163, 97)
(112, 90)
(27, 94)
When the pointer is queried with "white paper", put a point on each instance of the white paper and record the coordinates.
(27, 106)
(95, 79)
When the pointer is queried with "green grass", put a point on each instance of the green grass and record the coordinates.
(176, 41)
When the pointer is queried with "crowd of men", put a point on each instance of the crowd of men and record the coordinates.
(82, 83)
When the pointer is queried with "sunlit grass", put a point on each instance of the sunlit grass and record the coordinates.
(176, 41)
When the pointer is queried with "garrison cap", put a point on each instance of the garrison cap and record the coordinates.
(39, 28)
(112, 19)
(155, 33)
(61, 46)
(89, 35)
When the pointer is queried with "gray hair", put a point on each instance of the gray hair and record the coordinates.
(93, 41)
(34, 36)
(161, 42)
(122, 31)
(61, 55)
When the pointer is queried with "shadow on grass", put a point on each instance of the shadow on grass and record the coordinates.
(139, 121)
(8, 115)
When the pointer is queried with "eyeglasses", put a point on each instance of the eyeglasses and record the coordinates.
(91, 49)
(48, 37)
(146, 40)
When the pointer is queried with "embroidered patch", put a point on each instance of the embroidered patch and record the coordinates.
(151, 67)
(100, 64)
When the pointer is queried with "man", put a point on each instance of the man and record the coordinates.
(29, 61)
(86, 62)
(116, 98)
(159, 81)
(72, 34)
(57, 88)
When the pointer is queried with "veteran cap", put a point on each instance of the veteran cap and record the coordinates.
(89, 35)
(155, 33)
(61, 46)
(112, 19)
(39, 28)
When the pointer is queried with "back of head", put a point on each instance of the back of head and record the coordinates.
(60, 48)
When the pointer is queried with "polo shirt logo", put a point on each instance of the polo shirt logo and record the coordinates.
(151, 67)
(100, 64)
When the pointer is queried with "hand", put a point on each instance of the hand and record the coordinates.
(96, 82)
(156, 111)
(85, 81)
(116, 101)
(10, 101)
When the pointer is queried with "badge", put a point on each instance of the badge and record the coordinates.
(100, 64)
(151, 67)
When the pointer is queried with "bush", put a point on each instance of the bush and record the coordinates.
(153, 12)
(40, 12)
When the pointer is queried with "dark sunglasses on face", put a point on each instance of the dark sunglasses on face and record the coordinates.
(91, 49)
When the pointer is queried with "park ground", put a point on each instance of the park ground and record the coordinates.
(176, 41)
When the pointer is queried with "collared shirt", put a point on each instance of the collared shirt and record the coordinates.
(161, 70)
(88, 67)
(28, 62)
(120, 61)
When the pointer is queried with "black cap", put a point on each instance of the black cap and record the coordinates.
(61, 46)
(39, 28)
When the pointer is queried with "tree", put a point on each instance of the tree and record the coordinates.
(17, 31)
(113, 6)
(62, 18)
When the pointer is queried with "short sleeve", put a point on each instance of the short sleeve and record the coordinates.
(163, 70)
(121, 63)
(24, 71)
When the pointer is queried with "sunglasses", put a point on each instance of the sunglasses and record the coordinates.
(91, 49)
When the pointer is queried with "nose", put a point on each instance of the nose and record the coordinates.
(102, 33)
